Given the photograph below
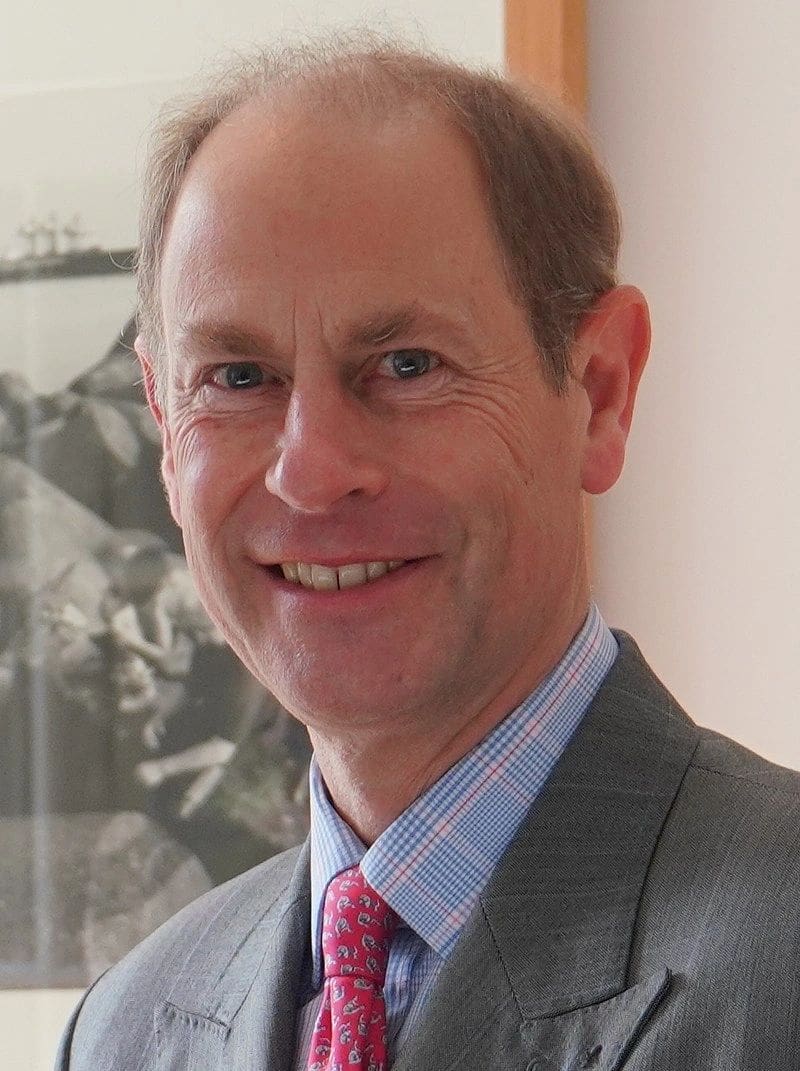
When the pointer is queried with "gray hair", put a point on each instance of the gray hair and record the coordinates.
(552, 205)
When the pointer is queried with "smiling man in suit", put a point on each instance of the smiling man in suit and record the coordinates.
(383, 339)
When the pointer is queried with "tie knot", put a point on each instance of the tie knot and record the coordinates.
(357, 929)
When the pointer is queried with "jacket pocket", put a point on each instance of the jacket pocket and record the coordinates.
(186, 1041)
(598, 1037)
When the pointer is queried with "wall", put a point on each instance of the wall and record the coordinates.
(695, 108)
(52, 56)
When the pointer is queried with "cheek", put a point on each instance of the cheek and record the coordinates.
(522, 482)
(213, 471)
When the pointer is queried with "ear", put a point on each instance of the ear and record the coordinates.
(611, 348)
(150, 380)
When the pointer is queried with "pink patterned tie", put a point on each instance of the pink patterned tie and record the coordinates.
(357, 929)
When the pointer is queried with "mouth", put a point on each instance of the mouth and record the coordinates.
(336, 578)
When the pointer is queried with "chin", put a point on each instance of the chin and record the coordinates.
(322, 702)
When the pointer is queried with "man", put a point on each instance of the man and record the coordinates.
(381, 335)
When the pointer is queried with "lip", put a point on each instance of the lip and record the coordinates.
(374, 589)
(338, 562)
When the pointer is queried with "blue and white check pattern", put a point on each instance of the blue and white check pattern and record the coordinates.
(432, 863)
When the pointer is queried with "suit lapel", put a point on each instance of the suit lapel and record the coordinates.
(234, 1002)
(541, 972)
(539, 979)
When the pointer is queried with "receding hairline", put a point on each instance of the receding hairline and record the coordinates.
(529, 150)
(309, 120)
(344, 90)
(289, 111)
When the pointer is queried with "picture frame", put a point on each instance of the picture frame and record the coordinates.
(140, 763)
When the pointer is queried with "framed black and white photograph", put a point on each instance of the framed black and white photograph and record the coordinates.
(141, 764)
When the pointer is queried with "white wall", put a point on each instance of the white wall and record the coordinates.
(31, 1022)
(52, 56)
(695, 107)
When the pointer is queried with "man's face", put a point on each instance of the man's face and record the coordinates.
(349, 381)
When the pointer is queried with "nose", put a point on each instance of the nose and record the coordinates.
(329, 449)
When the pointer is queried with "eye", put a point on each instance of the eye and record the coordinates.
(240, 375)
(409, 364)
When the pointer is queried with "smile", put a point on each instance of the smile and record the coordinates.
(328, 578)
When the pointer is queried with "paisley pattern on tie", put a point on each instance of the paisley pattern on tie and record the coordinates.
(357, 929)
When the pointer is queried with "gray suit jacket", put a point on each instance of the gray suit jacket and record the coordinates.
(645, 916)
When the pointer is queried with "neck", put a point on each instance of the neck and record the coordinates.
(372, 777)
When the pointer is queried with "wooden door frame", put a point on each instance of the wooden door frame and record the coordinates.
(545, 41)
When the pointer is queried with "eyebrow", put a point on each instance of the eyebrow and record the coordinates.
(377, 329)
(225, 338)
(387, 326)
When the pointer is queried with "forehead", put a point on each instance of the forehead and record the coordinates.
(320, 204)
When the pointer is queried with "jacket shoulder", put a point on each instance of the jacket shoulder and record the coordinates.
(720, 909)
(113, 1025)
(728, 858)
(741, 797)
(717, 754)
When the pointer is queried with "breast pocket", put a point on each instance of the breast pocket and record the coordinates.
(188, 1042)
(598, 1037)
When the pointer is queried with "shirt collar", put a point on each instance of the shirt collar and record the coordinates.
(432, 863)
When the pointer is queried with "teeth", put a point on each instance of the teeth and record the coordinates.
(350, 576)
(323, 578)
(326, 578)
(291, 572)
